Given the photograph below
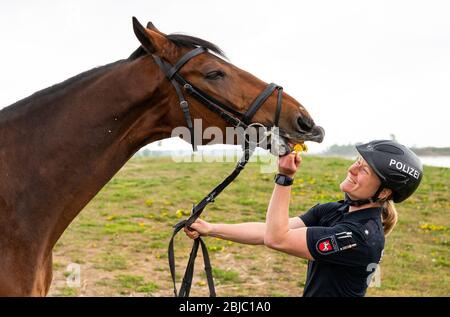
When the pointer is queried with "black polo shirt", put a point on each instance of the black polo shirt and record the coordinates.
(346, 247)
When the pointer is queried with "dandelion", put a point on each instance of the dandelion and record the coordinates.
(298, 148)
(200, 283)
(215, 248)
(431, 227)
(181, 212)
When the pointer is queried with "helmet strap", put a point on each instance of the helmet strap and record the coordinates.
(361, 202)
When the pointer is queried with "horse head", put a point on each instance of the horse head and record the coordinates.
(224, 84)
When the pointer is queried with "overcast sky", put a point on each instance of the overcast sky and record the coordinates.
(363, 69)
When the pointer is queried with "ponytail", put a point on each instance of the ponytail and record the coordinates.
(388, 216)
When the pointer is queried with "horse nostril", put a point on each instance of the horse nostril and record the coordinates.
(305, 124)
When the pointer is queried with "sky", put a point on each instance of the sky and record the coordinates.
(363, 69)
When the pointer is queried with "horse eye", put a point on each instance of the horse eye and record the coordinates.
(215, 74)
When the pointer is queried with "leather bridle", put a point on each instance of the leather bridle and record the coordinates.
(227, 113)
(232, 117)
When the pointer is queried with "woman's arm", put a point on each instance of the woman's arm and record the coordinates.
(279, 235)
(247, 233)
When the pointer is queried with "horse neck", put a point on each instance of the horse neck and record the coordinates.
(72, 145)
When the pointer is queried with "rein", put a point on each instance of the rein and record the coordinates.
(195, 213)
(232, 117)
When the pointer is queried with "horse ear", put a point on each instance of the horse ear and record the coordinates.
(150, 26)
(143, 37)
(151, 41)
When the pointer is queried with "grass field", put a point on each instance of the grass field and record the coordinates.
(120, 238)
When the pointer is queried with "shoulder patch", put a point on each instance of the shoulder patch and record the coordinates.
(337, 242)
(327, 245)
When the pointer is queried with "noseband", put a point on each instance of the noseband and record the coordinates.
(230, 115)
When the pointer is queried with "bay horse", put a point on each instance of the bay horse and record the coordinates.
(61, 145)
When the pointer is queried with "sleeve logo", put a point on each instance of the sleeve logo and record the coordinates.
(326, 245)
(337, 242)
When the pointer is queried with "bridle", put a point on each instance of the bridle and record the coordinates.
(232, 117)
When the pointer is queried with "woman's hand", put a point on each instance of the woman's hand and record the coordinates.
(198, 228)
(289, 164)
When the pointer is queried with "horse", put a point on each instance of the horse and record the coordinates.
(61, 145)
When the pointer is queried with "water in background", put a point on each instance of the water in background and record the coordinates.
(439, 161)
(234, 151)
(442, 161)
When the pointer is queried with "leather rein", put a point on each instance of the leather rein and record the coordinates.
(232, 117)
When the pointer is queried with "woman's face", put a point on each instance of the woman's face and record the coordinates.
(361, 181)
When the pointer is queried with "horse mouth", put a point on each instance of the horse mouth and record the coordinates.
(287, 141)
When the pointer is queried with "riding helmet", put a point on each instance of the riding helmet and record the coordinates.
(398, 168)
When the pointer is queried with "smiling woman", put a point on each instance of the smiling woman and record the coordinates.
(343, 240)
(362, 182)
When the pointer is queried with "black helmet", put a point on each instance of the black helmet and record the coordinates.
(398, 167)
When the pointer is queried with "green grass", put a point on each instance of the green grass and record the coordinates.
(126, 284)
(120, 238)
(111, 262)
(68, 292)
(226, 276)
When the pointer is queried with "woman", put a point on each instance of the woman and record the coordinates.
(343, 240)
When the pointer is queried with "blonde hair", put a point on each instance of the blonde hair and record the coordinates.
(389, 216)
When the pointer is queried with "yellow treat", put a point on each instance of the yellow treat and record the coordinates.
(298, 148)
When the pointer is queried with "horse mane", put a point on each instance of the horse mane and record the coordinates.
(193, 42)
(183, 40)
